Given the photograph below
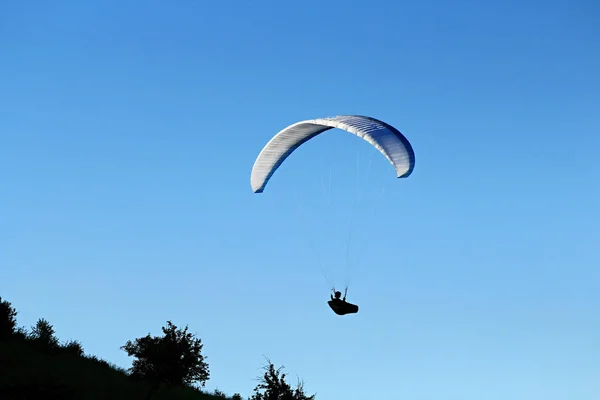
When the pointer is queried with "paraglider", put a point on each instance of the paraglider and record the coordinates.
(385, 138)
(341, 306)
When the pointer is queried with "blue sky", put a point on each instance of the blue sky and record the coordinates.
(128, 132)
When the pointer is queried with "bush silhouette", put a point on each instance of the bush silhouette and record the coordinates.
(42, 334)
(174, 359)
(273, 386)
(73, 347)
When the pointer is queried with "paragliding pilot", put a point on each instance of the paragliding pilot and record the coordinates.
(341, 306)
(337, 295)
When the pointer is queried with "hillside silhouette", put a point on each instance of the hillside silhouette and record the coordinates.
(34, 364)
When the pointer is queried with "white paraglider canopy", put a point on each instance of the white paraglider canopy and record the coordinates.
(387, 139)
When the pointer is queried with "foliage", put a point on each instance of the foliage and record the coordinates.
(44, 335)
(273, 386)
(73, 347)
(8, 320)
(35, 364)
(173, 359)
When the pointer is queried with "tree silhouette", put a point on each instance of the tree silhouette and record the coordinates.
(174, 359)
(42, 333)
(73, 347)
(273, 386)
(8, 319)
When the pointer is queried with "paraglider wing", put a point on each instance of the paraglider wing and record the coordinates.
(387, 139)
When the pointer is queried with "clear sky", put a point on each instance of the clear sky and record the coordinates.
(129, 128)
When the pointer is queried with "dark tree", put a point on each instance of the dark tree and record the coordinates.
(174, 359)
(273, 386)
(73, 347)
(43, 334)
(8, 320)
